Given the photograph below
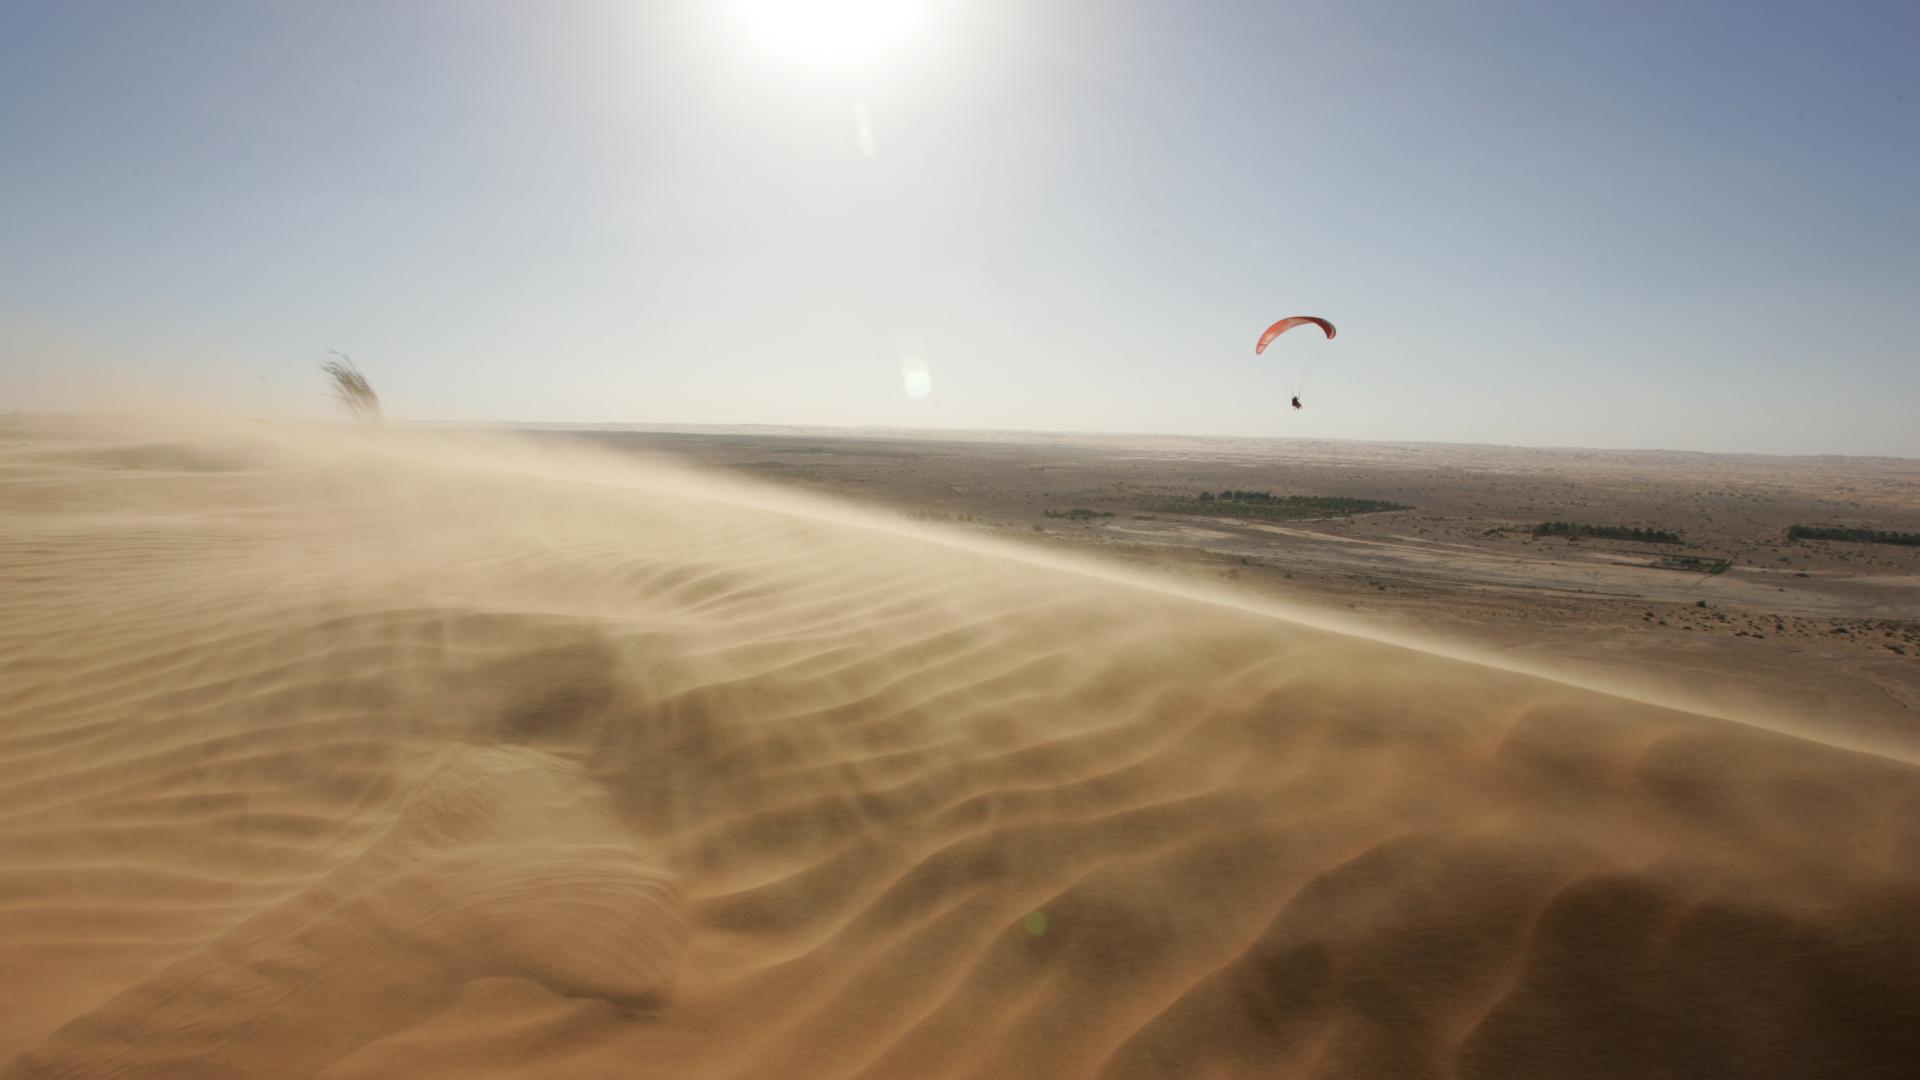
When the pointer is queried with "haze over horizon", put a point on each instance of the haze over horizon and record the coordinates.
(1637, 227)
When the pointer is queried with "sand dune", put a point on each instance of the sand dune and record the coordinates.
(370, 755)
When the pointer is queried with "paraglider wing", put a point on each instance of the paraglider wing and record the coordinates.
(1287, 324)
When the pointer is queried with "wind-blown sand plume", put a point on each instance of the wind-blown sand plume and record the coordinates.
(394, 756)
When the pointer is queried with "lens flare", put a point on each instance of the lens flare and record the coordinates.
(916, 378)
(863, 130)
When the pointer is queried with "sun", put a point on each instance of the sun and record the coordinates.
(829, 31)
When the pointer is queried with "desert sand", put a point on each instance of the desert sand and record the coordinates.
(1819, 637)
(342, 753)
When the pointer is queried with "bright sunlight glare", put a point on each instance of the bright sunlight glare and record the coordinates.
(829, 31)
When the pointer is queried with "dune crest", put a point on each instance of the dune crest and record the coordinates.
(390, 755)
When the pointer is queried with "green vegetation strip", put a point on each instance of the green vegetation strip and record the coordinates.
(1607, 532)
(1266, 506)
(1852, 536)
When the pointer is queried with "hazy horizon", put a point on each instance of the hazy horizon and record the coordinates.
(1638, 228)
(985, 434)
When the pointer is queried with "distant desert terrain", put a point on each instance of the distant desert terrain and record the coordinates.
(356, 753)
(1818, 635)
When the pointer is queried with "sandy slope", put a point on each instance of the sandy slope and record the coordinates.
(343, 757)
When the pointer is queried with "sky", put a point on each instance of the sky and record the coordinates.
(1683, 226)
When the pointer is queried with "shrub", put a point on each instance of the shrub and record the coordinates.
(1852, 535)
(351, 391)
(1575, 530)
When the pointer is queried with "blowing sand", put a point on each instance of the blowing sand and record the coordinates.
(370, 755)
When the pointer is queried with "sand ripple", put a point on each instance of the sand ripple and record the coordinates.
(400, 758)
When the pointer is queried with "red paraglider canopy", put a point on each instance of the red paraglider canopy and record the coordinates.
(1289, 323)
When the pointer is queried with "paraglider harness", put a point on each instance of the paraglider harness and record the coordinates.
(1296, 401)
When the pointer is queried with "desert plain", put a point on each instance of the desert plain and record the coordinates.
(337, 752)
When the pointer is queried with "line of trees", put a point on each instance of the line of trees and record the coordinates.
(1332, 504)
(1607, 532)
(1852, 535)
(1278, 508)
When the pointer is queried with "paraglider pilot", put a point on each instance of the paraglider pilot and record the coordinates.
(1287, 324)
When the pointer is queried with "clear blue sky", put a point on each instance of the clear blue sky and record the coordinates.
(1609, 224)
